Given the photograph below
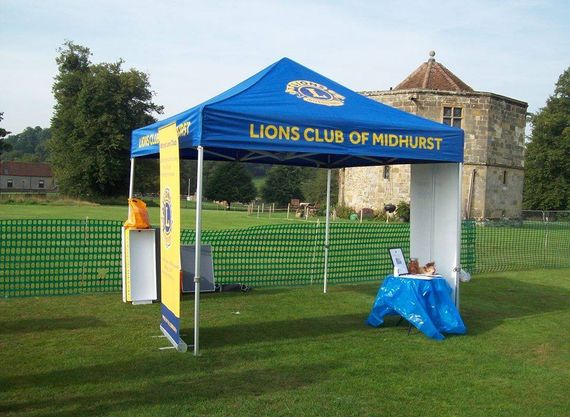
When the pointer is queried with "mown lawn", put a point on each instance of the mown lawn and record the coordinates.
(211, 219)
(291, 352)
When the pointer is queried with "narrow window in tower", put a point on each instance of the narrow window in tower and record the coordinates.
(452, 116)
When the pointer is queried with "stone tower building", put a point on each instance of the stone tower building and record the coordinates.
(494, 128)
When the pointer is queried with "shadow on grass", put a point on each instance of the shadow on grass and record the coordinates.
(486, 303)
(85, 390)
(253, 292)
(279, 331)
(366, 288)
(46, 325)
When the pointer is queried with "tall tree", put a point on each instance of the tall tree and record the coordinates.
(547, 158)
(230, 182)
(97, 107)
(282, 184)
(188, 177)
(4, 146)
(315, 186)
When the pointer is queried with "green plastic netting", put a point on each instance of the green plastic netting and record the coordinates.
(58, 257)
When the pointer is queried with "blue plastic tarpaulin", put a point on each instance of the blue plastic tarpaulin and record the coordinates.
(288, 114)
(426, 304)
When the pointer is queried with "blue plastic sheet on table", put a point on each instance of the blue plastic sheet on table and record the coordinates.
(426, 304)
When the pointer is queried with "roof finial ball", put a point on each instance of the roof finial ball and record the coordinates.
(431, 55)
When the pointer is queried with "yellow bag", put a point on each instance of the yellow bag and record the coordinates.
(138, 215)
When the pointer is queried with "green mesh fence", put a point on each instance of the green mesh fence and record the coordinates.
(293, 254)
(468, 245)
(57, 257)
(522, 245)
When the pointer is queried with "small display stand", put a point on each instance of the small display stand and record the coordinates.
(139, 263)
(187, 256)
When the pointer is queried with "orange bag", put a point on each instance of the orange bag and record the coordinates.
(138, 215)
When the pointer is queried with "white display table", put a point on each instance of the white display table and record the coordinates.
(139, 262)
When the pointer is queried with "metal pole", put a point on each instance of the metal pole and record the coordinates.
(458, 236)
(132, 178)
(327, 229)
(131, 182)
(198, 252)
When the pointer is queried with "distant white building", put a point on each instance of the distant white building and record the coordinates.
(21, 177)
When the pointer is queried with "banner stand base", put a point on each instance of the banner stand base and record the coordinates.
(180, 347)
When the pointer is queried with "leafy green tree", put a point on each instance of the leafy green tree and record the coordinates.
(282, 184)
(4, 146)
(188, 176)
(315, 186)
(97, 107)
(28, 146)
(547, 158)
(231, 182)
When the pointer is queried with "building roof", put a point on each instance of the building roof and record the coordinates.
(432, 75)
(25, 169)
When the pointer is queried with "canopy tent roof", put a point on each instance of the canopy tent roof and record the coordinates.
(289, 114)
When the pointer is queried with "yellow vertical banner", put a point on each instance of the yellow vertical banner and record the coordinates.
(170, 268)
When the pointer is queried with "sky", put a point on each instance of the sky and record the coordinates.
(193, 50)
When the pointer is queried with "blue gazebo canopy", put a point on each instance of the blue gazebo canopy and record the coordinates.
(288, 114)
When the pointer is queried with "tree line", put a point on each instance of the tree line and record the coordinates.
(547, 156)
(88, 142)
(99, 104)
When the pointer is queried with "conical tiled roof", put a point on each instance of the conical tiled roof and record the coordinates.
(432, 75)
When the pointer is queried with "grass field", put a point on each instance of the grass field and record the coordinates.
(291, 352)
(211, 219)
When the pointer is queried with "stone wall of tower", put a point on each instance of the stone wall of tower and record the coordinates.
(494, 144)
(366, 187)
(505, 173)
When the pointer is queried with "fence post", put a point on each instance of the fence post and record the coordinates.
(545, 244)
(288, 208)
(85, 243)
(314, 250)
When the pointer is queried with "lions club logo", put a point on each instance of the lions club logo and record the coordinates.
(166, 217)
(314, 93)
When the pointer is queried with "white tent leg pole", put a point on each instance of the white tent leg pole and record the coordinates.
(459, 224)
(131, 182)
(132, 178)
(198, 253)
(327, 230)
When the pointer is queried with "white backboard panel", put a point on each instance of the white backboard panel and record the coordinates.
(435, 218)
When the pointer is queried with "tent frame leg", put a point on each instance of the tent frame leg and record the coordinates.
(132, 178)
(327, 230)
(198, 252)
(131, 182)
